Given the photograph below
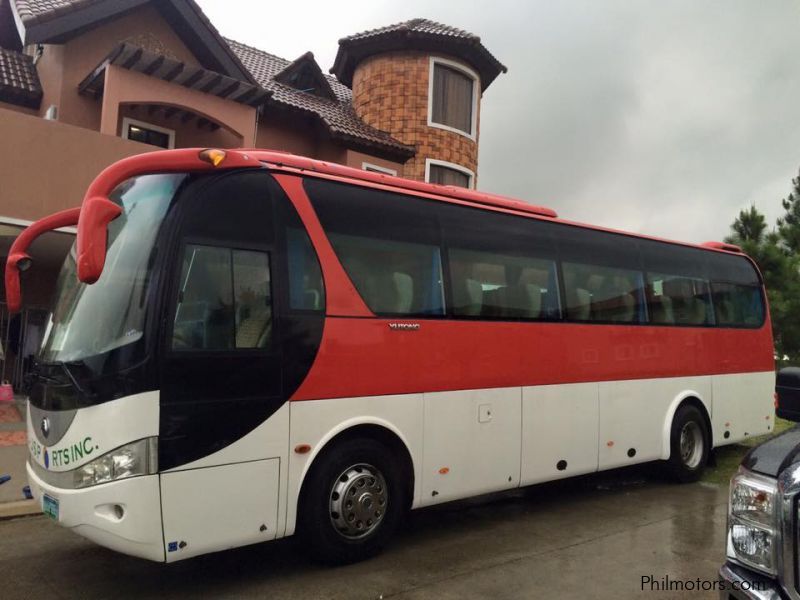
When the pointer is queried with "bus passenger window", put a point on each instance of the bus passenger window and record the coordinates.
(604, 294)
(393, 277)
(678, 300)
(737, 305)
(224, 300)
(387, 243)
(505, 287)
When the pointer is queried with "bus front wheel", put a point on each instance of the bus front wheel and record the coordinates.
(689, 444)
(351, 502)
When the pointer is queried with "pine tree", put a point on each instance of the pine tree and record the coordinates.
(789, 224)
(779, 268)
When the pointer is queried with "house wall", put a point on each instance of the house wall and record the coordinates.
(16, 108)
(390, 92)
(63, 67)
(357, 159)
(123, 87)
(278, 130)
(52, 163)
(187, 135)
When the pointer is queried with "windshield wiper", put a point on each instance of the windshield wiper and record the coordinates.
(65, 366)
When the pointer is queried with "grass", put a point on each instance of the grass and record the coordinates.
(728, 457)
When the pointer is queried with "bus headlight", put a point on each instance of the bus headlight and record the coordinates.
(753, 521)
(136, 458)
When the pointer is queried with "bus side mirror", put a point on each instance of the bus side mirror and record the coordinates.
(96, 213)
(18, 259)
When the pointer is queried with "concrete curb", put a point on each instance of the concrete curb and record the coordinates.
(19, 508)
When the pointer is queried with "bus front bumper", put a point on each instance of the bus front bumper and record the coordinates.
(121, 515)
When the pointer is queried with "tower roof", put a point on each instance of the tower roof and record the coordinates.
(416, 34)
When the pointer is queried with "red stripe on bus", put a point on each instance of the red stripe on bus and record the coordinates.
(365, 357)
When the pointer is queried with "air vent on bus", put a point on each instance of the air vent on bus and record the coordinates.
(722, 246)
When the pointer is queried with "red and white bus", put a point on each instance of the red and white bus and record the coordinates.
(249, 344)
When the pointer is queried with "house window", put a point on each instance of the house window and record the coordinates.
(146, 133)
(378, 169)
(453, 97)
(444, 173)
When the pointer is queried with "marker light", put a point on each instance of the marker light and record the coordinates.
(213, 156)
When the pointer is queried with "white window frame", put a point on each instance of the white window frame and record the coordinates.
(127, 122)
(476, 82)
(365, 166)
(448, 165)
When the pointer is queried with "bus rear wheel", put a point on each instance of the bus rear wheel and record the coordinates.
(689, 445)
(351, 502)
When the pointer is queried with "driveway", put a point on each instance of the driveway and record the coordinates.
(594, 538)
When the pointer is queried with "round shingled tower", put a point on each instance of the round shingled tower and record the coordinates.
(422, 83)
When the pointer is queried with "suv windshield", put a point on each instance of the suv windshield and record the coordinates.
(93, 319)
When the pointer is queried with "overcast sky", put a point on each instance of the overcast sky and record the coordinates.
(664, 117)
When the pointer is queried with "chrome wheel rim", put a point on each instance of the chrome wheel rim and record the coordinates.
(358, 501)
(691, 444)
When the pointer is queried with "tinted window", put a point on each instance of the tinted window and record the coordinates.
(306, 291)
(732, 269)
(589, 247)
(224, 300)
(658, 257)
(595, 293)
(678, 300)
(387, 243)
(500, 266)
(238, 207)
(738, 305)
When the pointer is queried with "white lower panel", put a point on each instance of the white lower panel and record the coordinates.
(559, 431)
(472, 443)
(215, 508)
(743, 406)
(635, 416)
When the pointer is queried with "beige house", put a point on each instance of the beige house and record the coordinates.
(86, 82)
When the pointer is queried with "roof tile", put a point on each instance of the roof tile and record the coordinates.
(416, 34)
(416, 25)
(39, 11)
(337, 115)
(19, 82)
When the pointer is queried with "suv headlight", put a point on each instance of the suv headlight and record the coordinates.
(753, 521)
(130, 460)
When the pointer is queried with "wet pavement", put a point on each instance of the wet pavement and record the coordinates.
(593, 538)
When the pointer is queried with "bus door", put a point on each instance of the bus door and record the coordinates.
(221, 369)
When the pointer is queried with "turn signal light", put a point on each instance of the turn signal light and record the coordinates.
(213, 156)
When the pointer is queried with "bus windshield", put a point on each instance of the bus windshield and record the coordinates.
(88, 320)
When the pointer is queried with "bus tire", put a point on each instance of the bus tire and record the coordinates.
(351, 503)
(689, 445)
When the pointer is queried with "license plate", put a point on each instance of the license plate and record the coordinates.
(50, 507)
